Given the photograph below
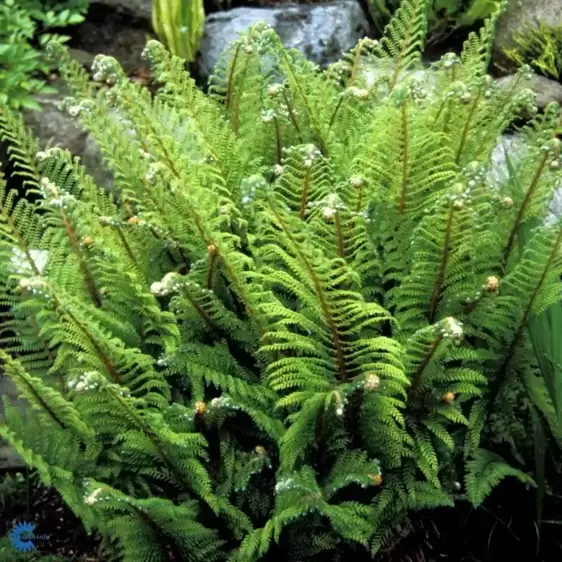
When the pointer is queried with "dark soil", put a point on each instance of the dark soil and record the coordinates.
(45, 508)
(503, 530)
(110, 32)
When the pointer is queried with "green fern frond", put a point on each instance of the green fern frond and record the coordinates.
(485, 470)
(404, 36)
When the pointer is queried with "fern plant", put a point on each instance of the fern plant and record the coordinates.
(540, 46)
(289, 324)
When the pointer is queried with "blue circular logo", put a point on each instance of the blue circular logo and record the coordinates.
(22, 536)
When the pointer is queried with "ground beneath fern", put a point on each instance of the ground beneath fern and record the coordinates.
(503, 530)
(45, 508)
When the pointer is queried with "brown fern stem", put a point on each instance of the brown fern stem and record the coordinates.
(502, 372)
(405, 45)
(339, 236)
(200, 310)
(360, 197)
(304, 193)
(163, 215)
(336, 340)
(153, 439)
(311, 114)
(232, 276)
(445, 102)
(167, 157)
(127, 247)
(87, 276)
(530, 192)
(466, 128)
(335, 112)
(197, 219)
(21, 240)
(241, 293)
(278, 142)
(211, 269)
(442, 268)
(356, 60)
(43, 403)
(110, 368)
(417, 379)
(157, 532)
(405, 159)
(231, 75)
(292, 115)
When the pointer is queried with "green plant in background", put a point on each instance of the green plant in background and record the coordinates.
(179, 25)
(546, 331)
(13, 489)
(444, 16)
(539, 46)
(288, 325)
(24, 31)
(546, 389)
(545, 386)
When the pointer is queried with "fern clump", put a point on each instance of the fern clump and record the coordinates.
(540, 46)
(290, 322)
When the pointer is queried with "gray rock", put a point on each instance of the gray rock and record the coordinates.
(514, 146)
(84, 58)
(547, 90)
(508, 145)
(136, 8)
(519, 14)
(115, 35)
(322, 32)
(53, 127)
(9, 459)
(556, 205)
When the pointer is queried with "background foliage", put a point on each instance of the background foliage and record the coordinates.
(26, 26)
(444, 16)
(539, 46)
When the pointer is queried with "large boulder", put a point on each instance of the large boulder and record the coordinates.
(120, 28)
(547, 90)
(54, 127)
(519, 14)
(509, 145)
(322, 32)
(119, 34)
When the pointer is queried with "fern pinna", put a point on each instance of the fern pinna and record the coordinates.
(290, 322)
